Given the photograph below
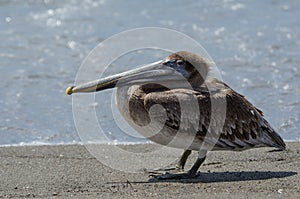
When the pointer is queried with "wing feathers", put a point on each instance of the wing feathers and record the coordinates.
(244, 125)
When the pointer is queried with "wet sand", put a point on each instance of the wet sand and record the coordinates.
(66, 171)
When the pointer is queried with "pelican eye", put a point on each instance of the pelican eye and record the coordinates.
(174, 63)
(179, 62)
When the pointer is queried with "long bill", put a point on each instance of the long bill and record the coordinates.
(156, 72)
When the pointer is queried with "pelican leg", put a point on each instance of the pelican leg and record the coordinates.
(183, 159)
(179, 167)
(197, 164)
(192, 173)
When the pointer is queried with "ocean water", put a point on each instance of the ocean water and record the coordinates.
(255, 44)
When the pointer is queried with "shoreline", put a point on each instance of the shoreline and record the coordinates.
(29, 144)
(71, 171)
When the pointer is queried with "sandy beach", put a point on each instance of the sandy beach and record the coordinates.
(66, 171)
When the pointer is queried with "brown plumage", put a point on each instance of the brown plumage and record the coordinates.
(244, 127)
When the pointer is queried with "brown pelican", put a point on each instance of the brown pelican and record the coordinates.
(244, 125)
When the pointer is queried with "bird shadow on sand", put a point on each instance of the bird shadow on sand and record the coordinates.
(229, 177)
(219, 177)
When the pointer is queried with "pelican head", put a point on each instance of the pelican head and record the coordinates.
(191, 66)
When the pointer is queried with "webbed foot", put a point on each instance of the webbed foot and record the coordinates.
(174, 176)
(162, 171)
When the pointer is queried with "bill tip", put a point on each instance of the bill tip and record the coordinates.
(69, 90)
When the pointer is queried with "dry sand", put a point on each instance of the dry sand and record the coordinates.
(70, 171)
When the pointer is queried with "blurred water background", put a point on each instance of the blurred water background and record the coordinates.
(255, 44)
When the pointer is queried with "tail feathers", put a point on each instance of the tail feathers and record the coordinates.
(272, 138)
